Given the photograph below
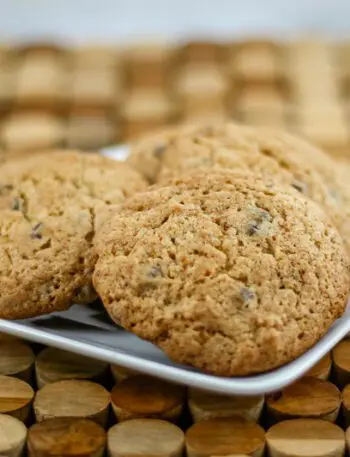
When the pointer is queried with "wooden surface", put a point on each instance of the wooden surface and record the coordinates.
(66, 437)
(147, 400)
(16, 397)
(53, 365)
(142, 396)
(205, 405)
(341, 363)
(13, 435)
(120, 93)
(322, 369)
(120, 373)
(145, 437)
(16, 359)
(305, 438)
(309, 397)
(346, 404)
(224, 436)
(72, 398)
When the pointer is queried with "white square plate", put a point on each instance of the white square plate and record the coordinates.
(88, 330)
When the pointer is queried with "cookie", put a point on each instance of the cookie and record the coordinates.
(49, 207)
(273, 153)
(225, 271)
(146, 155)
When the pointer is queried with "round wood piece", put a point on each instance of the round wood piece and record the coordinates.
(341, 363)
(346, 404)
(16, 397)
(143, 396)
(72, 398)
(145, 437)
(54, 364)
(305, 438)
(13, 434)
(347, 439)
(206, 405)
(66, 436)
(322, 369)
(16, 359)
(5, 338)
(120, 373)
(225, 436)
(309, 397)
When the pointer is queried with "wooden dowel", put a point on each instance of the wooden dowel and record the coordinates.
(206, 405)
(305, 438)
(142, 396)
(54, 365)
(66, 436)
(145, 437)
(72, 398)
(16, 397)
(16, 359)
(13, 434)
(225, 436)
(309, 397)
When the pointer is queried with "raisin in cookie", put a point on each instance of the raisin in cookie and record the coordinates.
(273, 153)
(49, 204)
(226, 271)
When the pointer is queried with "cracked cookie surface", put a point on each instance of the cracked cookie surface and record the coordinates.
(276, 154)
(48, 206)
(224, 271)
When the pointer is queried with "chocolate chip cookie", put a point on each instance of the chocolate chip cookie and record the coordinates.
(225, 271)
(49, 206)
(273, 153)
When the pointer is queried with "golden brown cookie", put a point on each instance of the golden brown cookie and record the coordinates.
(224, 271)
(273, 153)
(49, 206)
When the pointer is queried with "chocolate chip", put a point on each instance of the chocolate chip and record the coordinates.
(300, 186)
(246, 294)
(35, 234)
(17, 204)
(259, 221)
(253, 228)
(155, 272)
(159, 150)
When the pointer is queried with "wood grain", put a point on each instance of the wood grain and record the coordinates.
(145, 437)
(309, 397)
(66, 437)
(13, 434)
(341, 363)
(16, 359)
(120, 373)
(142, 396)
(16, 397)
(305, 438)
(206, 405)
(54, 365)
(225, 436)
(72, 398)
(322, 369)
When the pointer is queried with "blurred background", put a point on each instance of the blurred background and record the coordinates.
(88, 74)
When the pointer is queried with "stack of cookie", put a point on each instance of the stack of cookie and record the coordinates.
(235, 259)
